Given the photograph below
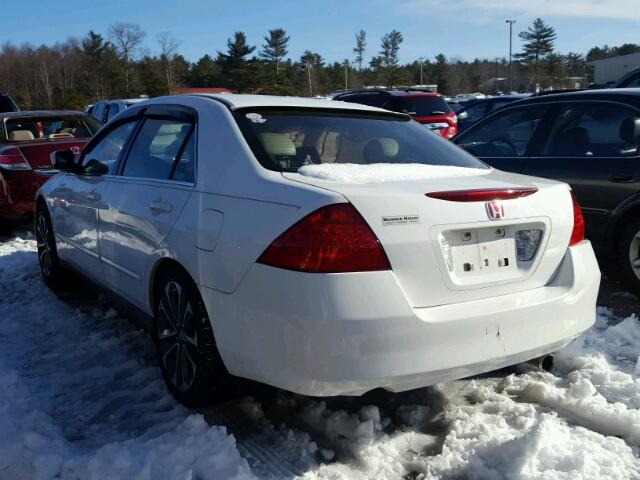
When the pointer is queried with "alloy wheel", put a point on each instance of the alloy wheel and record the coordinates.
(177, 336)
(634, 254)
(44, 245)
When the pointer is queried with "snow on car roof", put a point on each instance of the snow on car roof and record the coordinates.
(237, 101)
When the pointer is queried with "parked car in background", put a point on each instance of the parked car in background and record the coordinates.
(428, 108)
(27, 139)
(474, 110)
(105, 110)
(588, 139)
(7, 104)
(327, 248)
(630, 80)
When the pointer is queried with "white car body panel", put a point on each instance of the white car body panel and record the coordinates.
(329, 334)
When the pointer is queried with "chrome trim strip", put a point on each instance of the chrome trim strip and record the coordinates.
(77, 245)
(122, 269)
(46, 172)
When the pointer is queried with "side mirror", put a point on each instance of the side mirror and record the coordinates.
(63, 160)
(95, 168)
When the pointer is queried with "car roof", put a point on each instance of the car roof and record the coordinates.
(625, 95)
(41, 113)
(237, 101)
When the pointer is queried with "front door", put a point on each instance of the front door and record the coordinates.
(79, 198)
(502, 140)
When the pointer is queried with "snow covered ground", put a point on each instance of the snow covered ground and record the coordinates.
(81, 397)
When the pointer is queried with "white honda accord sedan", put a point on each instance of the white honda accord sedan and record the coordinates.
(322, 247)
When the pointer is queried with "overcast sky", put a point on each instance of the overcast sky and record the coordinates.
(457, 28)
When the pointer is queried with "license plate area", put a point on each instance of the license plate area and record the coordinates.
(475, 256)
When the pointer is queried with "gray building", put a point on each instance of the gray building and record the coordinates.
(613, 68)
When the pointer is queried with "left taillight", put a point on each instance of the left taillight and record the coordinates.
(332, 239)
(577, 234)
(12, 159)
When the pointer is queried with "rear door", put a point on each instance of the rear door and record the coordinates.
(593, 146)
(503, 139)
(147, 196)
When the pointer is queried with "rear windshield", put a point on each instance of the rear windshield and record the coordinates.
(19, 129)
(287, 140)
(419, 106)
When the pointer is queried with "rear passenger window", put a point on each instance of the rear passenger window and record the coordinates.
(595, 129)
(157, 148)
(184, 170)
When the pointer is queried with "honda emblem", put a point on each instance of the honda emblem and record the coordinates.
(495, 209)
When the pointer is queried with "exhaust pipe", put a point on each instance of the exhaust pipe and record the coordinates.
(544, 363)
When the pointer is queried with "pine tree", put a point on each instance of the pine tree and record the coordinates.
(275, 48)
(361, 43)
(235, 67)
(388, 61)
(538, 42)
(312, 66)
(97, 56)
(440, 72)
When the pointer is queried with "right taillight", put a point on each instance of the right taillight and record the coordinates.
(12, 159)
(577, 234)
(332, 239)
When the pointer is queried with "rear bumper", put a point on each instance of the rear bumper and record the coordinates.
(17, 192)
(345, 334)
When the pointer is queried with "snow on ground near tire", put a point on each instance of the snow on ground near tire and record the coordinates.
(78, 399)
(81, 397)
(385, 172)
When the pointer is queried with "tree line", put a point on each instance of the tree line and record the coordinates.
(116, 64)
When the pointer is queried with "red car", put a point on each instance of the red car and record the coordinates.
(27, 140)
(428, 108)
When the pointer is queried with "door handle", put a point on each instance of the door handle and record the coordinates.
(622, 177)
(93, 196)
(160, 206)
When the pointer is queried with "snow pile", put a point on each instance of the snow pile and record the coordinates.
(501, 438)
(580, 402)
(81, 395)
(385, 172)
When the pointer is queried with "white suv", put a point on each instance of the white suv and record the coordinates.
(323, 247)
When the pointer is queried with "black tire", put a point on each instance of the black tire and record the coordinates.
(52, 272)
(182, 330)
(629, 255)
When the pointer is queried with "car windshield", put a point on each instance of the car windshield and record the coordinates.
(420, 106)
(23, 128)
(6, 105)
(289, 139)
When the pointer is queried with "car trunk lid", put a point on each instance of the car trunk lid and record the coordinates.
(444, 251)
(38, 153)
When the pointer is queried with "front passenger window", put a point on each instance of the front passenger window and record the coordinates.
(506, 134)
(108, 149)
